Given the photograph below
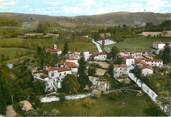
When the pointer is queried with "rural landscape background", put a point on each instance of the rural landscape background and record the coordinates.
(36, 45)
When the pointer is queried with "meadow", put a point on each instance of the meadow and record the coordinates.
(139, 43)
(16, 47)
(126, 105)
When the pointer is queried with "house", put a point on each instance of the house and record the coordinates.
(103, 85)
(61, 70)
(87, 55)
(100, 84)
(53, 50)
(119, 70)
(134, 54)
(104, 35)
(73, 57)
(138, 54)
(145, 68)
(154, 63)
(146, 71)
(152, 34)
(166, 33)
(150, 62)
(100, 57)
(128, 61)
(158, 46)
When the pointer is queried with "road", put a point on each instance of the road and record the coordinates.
(97, 46)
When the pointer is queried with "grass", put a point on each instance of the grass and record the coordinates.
(17, 47)
(161, 84)
(139, 43)
(13, 52)
(126, 105)
(78, 44)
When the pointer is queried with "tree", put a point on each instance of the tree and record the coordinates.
(110, 76)
(153, 110)
(82, 75)
(166, 54)
(40, 57)
(110, 71)
(2, 58)
(114, 52)
(91, 70)
(4, 94)
(65, 49)
(103, 44)
(40, 28)
(70, 85)
(137, 71)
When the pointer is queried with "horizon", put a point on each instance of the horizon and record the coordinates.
(79, 15)
(83, 7)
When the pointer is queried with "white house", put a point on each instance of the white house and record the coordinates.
(53, 50)
(100, 84)
(154, 63)
(119, 70)
(86, 55)
(62, 70)
(52, 84)
(147, 71)
(134, 54)
(129, 61)
(145, 68)
(100, 57)
(138, 54)
(159, 45)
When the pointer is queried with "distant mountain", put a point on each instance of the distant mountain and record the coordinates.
(109, 19)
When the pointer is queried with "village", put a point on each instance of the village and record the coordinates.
(116, 64)
(124, 70)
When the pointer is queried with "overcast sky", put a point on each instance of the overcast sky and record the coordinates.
(83, 7)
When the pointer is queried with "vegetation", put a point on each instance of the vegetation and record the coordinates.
(70, 85)
(110, 71)
(92, 70)
(137, 72)
(44, 58)
(25, 87)
(113, 53)
(123, 105)
(65, 49)
(166, 54)
(160, 27)
(139, 43)
(82, 74)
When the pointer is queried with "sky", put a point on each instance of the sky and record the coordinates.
(83, 7)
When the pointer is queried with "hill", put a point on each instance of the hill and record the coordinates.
(109, 19)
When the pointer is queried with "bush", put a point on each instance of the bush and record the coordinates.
(88, 102)
(115, 96)
(153, 110)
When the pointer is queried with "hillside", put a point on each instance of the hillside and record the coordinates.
(118, 18)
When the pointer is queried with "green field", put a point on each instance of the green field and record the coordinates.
(79, 44)
(139, 43)
(12, 53)
(15, 47)
(125, 105)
